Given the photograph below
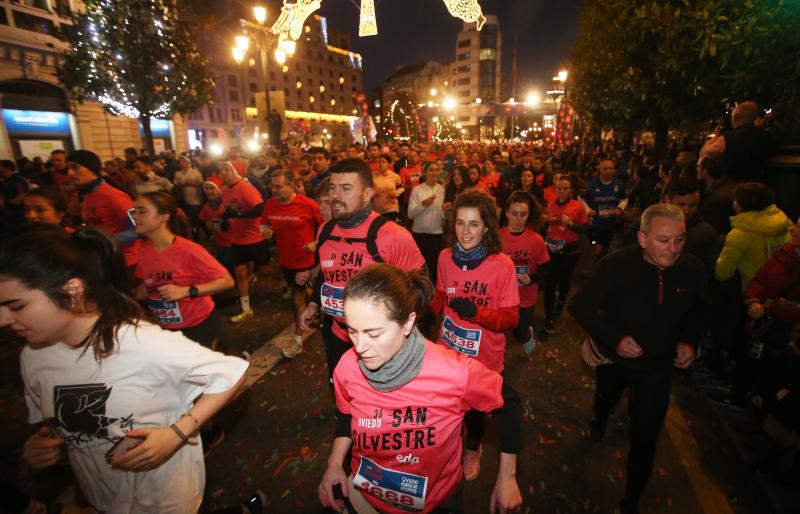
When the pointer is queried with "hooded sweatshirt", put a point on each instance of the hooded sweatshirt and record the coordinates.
(753, 237)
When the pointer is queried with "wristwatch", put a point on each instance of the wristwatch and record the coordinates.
(193, 292)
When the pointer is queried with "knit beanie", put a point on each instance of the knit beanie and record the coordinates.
(87, 159)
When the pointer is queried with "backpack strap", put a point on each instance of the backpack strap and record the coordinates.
(372, 237)
(371, 240)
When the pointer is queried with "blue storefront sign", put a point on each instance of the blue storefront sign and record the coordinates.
(36, 122)
(159, 128)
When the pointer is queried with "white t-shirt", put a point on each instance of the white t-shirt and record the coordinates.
(192, 181)
(148, 382)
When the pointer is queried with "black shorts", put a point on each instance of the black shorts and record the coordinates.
(206, 331)
(289, 276)
(257, 253)
(601, 237)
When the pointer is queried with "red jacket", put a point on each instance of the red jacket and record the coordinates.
(779, 277)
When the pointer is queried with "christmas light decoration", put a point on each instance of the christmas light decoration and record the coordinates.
(289, 24)
(137, 59)
(467, 10)
(367, 24)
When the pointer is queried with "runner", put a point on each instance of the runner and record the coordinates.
(87, 340)
(211, 214)
(356, 237)
(477, 288)
(605, 199)
(395, 386)
(292, 221)
(47, 205)
(527, 249)
(243, 207)
(178, 276)
(388, 187)
(566, 218)
(103, 207)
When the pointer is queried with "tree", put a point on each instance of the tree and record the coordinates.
(445, 129)
(402, 118)
(137, 58)
(661, 64)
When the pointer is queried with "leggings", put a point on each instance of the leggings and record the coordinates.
(509, 417)
(524, 328)
(559, 276)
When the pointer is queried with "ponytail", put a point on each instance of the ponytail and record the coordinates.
(44, 257)
(400, 292)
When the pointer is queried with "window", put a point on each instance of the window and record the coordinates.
(464, 44)
(299, 106)
(463, 57)
(463, 118)
(251, 72)
(462, 82)
(464, 93)
(232, 80)
(236, 115)
(212, 116)
(488, 54)
(488, 40)
(252, 101)
(253, 86)
(310, 69)
(330, 73)
(233, 95)
(272, 75)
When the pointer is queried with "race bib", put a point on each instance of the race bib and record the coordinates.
(520, 270)
(606, 213)
(554, 245)
(467, 341)
(402, 490)
(333, 300)
(166, 313)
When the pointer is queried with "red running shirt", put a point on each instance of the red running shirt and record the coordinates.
(409, 176)
(294, 225)
(245, 196)
(185, 263)
(406, 453)
(223, 238)
(492, 285)
(528, 251)
(106, 208)
(558, 234)
(341, 260)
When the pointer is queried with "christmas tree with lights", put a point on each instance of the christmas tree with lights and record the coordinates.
(445, 129)
(138, 59)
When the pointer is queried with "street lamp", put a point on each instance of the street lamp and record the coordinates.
(242, 43)
(260, 14)
(562, 76)
(433, 91)
(449, 103)
(533, 99)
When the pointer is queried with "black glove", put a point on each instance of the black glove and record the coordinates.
(231, 211)
(464, 307)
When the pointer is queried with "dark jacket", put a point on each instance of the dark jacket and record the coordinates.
(747, 147)
(702, 241)
(627, 296)
(778, 278)
(716, 206)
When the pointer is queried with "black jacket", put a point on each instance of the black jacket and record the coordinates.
(627, 296)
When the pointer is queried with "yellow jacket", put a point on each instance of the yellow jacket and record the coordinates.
(753, 237)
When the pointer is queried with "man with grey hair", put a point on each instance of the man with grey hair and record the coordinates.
(747, 145)
(642, 308)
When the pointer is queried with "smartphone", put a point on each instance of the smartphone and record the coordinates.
(123, 445)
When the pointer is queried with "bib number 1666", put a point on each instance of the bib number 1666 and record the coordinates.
(386, 494)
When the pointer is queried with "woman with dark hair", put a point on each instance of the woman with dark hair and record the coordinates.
(526, 248)
(394, 385)
(477, 288)
(566, 219)
(454, 186)
(97, 375)
(47, 205)
(178, 276)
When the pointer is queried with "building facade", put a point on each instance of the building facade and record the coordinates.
(313, 90)
(36, 114)
(476, 73)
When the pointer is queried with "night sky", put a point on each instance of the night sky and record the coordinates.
(411, 31)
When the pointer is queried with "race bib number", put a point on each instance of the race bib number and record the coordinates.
(607, 213)
(166, 313)
(333, 300)
(467, 341)
(402, 490)
(554, 245)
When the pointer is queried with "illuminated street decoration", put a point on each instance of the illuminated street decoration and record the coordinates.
(289, 24)
(467, 10)
(367, 24)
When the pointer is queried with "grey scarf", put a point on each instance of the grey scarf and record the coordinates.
(403, 367)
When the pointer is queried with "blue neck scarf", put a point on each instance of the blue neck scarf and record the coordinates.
(468, 260)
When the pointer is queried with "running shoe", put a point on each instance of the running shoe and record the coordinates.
(294, 348)
(241, 316)
(549, 327)
(471, 463)
(530, 345)
(287, 293)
